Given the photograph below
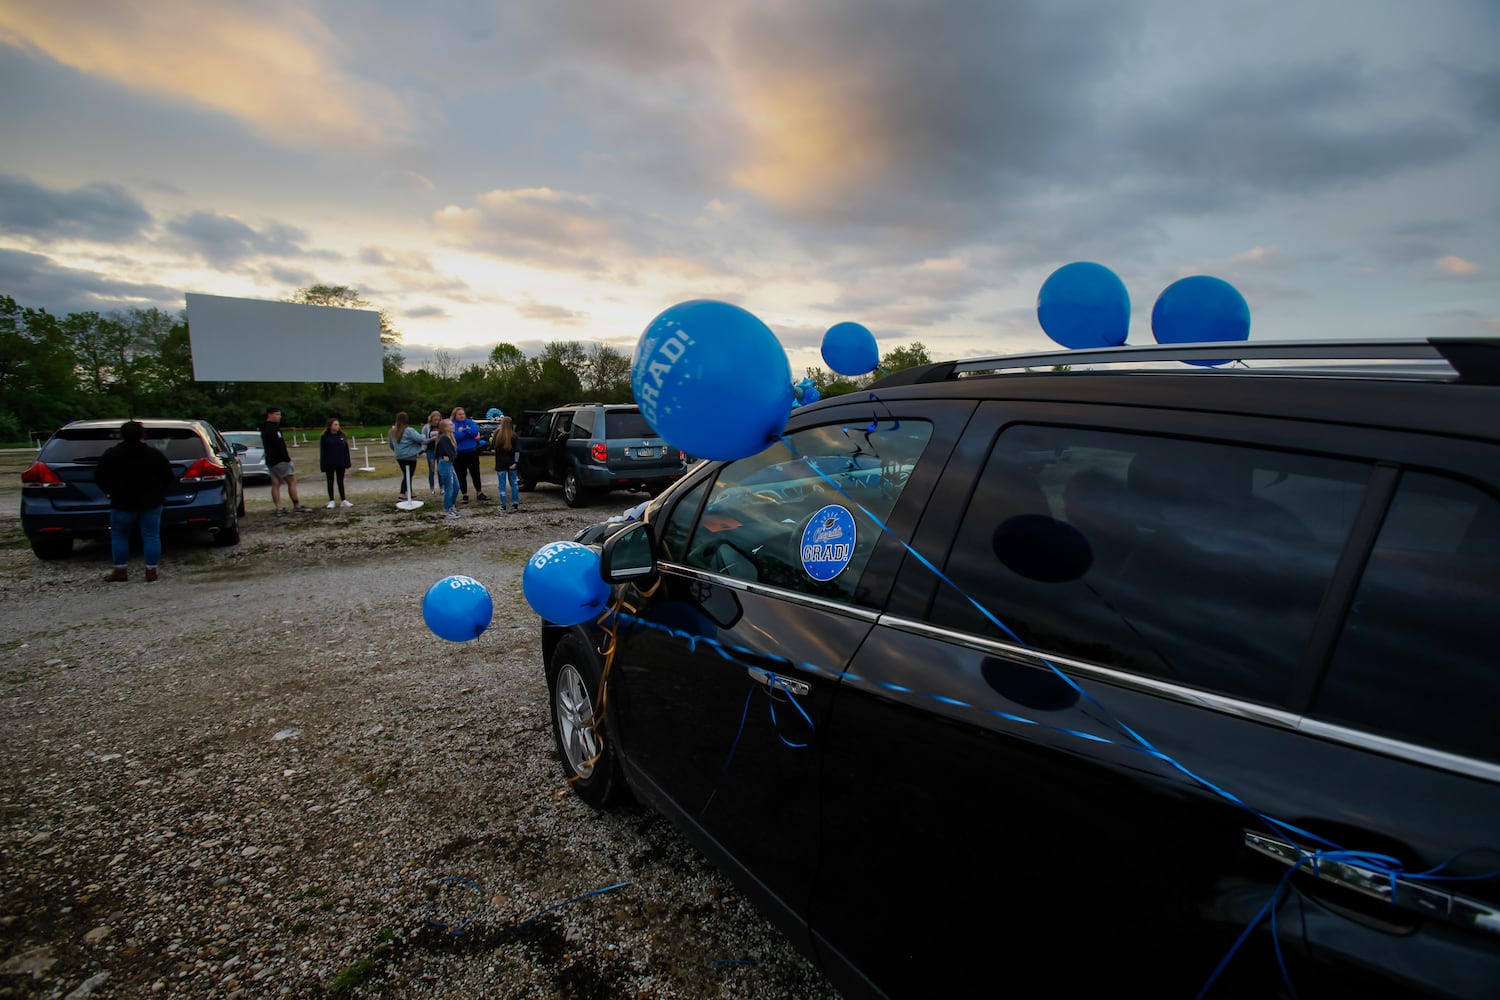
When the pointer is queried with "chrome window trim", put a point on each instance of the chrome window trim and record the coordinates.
(766, 590)
(1468, 767)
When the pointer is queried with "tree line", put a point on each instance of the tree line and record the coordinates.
(138, 362)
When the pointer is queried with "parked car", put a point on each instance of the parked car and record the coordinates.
(60, 500)
(252, 452)
(1077, 677)
(593, 448)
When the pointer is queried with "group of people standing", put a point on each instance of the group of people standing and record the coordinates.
(451, 446)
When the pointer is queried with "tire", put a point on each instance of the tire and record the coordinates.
(524, 485)
(588, 753)
(239, 509)
(229, 534)
(52, 548)
(573, 492)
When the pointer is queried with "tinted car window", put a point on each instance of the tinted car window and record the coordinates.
(178, 444)
(626, 424)
(583, 424)
(1416, 660)
(773, 518)
(1195, 562)
(679, 525)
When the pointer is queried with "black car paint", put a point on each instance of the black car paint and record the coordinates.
(961, 810)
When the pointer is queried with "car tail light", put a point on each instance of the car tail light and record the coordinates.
(41, 474)
(203, 471)
(599, 452)
(682, 457)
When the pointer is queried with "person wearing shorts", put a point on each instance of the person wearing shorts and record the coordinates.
(279, 462)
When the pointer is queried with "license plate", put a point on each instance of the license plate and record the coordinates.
(645, 453)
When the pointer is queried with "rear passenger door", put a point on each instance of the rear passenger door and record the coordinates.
(1095, 724)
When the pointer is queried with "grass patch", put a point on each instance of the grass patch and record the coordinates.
(352, 976)
(436, 535)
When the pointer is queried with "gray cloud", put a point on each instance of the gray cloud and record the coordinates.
(550, 313)
(99, 211)
(224, 240)
(425, 312)
(39, 282)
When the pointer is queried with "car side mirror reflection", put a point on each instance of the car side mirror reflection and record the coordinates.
(628, 555)
(238, 448)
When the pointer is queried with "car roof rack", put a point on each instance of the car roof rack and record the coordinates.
(1469, 360)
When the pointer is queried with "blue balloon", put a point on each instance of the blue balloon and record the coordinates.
(849, 349)
(1200, 310)
(805, 392)
(712, 379)
(562, 583)
(457, 608)
(1084, 304)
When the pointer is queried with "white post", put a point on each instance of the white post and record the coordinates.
(368, 467)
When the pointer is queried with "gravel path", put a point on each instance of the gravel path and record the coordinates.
(262, 776)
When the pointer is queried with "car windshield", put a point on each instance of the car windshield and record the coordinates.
(626, 424)
(88, 444)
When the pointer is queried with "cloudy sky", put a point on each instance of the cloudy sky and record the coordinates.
(524, 171)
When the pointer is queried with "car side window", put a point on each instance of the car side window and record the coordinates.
(791, 516)
(1195, 562)
(679, 524)
(583, 425)
(1416, 659)
(561, 425)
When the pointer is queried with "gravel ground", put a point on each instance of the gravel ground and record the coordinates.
(262, 776)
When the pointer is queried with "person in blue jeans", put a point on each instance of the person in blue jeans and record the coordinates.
(466, 433)
(507, 455)
(136, 477)
(446, 449)
(430, 432)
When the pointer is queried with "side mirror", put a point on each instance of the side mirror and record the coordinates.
(628, 555)
(238, 448)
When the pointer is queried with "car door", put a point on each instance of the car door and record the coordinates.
(723, 677)
(1097, 744)
(532, 466)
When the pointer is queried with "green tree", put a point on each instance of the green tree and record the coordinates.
(606, 375)
(37, 371)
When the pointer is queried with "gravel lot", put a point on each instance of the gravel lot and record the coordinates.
(262, 776)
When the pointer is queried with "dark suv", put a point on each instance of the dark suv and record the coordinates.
(1105, 679)
(593, 448)
(60, 500)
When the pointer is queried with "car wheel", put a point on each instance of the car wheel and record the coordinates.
(52, 548)
(229, 534)
(525, 485)
(240, 507)
(584, 744)
(573, 492)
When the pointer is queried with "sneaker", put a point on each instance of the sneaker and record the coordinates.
(464, 498)
(345, 503)
(282, 510)
(150, 575)
(515, 506)
(452, 512)
(332, 504)
(482, 498)
(300, 509)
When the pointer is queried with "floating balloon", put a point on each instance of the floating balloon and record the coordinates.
(1200, 310)
(849, 349)
(561, 582)
(1084, 304)
(457, 608)
(712, 379)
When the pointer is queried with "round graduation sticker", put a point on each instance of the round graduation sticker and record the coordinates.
(828, 542)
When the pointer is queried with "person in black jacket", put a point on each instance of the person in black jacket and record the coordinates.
(333, 459)
(279, 461)
(136, 477)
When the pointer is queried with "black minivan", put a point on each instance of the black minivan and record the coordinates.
(1116, 678)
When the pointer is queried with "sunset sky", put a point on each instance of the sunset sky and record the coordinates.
(535, 170)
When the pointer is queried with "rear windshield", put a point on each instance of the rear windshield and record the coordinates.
(626, 424)
(86, 445)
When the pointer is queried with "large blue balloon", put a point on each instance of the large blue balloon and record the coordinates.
(849, 349)
(712, 379)
(561, 582)
(1200, 310)
(457, 608)
(1084, 304)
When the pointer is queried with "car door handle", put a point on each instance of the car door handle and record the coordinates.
(775, 681)
(1403, 892)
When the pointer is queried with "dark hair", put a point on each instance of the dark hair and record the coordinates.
(272, 409)
(132, 430)
(328, 427)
